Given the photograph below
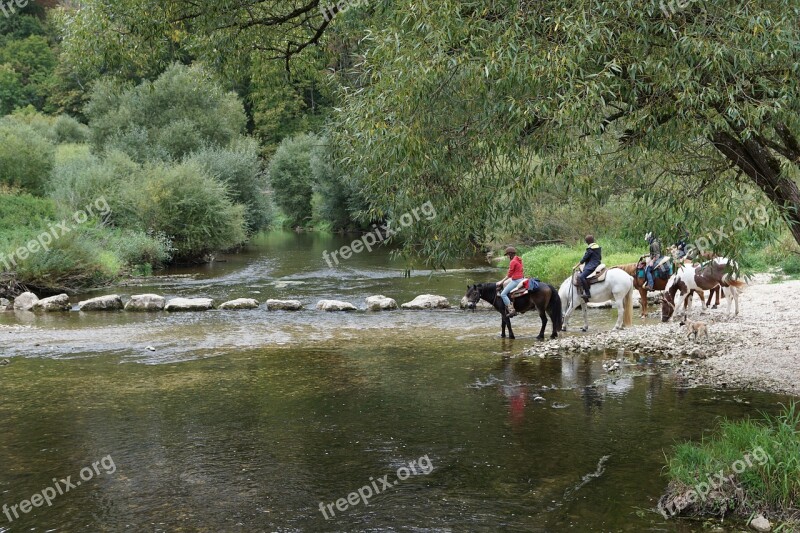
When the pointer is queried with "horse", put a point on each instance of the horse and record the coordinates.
(706, 276)
(545, 300)
(617, 286)
(640, 284)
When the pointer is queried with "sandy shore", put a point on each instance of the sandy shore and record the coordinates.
(759, 349)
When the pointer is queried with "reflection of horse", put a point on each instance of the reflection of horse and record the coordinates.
(706, 276)
(617, 286)
(640, 284)
(545, 300)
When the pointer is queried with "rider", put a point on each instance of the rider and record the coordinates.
(515, 275)
(591, 260)
(655, 254)
(683, 240)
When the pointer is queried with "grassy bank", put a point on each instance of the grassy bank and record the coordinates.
(759, 461)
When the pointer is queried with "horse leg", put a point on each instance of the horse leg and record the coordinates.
(510, 331)
(543, 316)
(570, 309)
(643, 301)
(585, 316)
(503, 327)
(620, 312)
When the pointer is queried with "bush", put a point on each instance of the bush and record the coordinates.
(239, 168)
(185, 204)
(292, 179)
(181, 112)
(79, 177)
(69, 130)
(26, 158)
(335, 197)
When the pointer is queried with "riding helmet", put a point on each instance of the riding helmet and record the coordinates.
(510, 250)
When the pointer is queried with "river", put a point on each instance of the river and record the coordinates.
(264, 421)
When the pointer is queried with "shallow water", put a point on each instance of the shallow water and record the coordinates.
(247, 421)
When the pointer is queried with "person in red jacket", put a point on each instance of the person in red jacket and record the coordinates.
(515, 275)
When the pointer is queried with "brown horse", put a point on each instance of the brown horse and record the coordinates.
(545, 300)
(639, 285)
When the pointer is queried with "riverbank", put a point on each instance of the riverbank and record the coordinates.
(755, 350)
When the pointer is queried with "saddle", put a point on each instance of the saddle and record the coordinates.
(597, 276)
(527, 285)
(663, 268)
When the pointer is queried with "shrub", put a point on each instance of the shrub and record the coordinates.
(69, 130)
(239, 168)
(291, 177)
(181, 112)
(553, 263)
(185, 204)
(335, 197)
(79, 177)
(26, 158)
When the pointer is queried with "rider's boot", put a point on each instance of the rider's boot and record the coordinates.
(510, 312)
(586, 292)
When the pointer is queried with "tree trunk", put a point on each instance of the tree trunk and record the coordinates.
(764, 169)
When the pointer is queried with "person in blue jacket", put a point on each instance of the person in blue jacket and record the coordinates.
(591, 260)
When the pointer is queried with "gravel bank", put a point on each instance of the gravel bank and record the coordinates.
(759, 349)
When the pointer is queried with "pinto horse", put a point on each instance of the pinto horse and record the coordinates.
(707, 276)
(640, 284)
(545, 300)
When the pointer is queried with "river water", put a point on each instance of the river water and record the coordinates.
(260, 421)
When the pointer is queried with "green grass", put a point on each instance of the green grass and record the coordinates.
(553, 263)
(771, 484)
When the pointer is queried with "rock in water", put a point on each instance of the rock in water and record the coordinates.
(335, 305)
(284, 305)
(146, 302)
(25, 301)
(241, 303)
(759, 523)
(380, 303)
(482, 305)
(427, 301)
(53, 304)
(112, 302)
(5, 305)
(190, 304)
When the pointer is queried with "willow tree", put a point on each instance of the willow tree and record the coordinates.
(475, 105)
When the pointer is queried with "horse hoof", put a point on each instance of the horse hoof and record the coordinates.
(540, 337)
(512, 337)
(564, 329)
(554, 336)
(584, 330)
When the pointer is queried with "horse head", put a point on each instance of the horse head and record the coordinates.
(668, 299)
(473, 296)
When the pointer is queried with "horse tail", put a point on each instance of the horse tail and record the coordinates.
(737, 283)
(556, 312)
(627, 302)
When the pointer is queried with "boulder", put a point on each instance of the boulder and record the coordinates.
(190, 304)
(759, 523)
(25, 301)
(380, 303)
(284, 305)
(146, 302)
(241, 303)
(427, 301)
(53, 304)
(5, 305)
(482, 305)
(335, 305)
(112, 302)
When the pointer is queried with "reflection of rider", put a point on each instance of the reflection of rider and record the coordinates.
(515, 275)
(591, 260)
(683, 240)
(655, 254)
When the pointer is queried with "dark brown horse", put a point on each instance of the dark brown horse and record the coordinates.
(545, 300)
(640, 284)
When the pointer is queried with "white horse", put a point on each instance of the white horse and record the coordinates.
(705, 277)
(617, 286)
